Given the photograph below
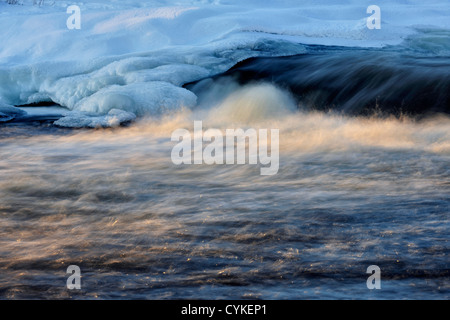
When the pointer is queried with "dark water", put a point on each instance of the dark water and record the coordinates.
(351, 81)
(352, 191)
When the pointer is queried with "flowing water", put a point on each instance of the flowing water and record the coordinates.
(354, 189)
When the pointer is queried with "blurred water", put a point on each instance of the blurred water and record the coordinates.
(350, 192)
(403, 80)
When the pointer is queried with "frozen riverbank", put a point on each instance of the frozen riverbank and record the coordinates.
(135, 56)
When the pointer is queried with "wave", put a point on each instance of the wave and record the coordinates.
(352, 81)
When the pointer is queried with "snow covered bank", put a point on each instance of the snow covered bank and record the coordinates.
(135, 55)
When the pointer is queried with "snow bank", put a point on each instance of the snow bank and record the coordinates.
(135, 55)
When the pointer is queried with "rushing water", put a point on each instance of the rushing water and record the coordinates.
(352, 191)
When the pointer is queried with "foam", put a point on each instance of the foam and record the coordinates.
(253, 103)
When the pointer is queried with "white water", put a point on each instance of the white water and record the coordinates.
(350, 192)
